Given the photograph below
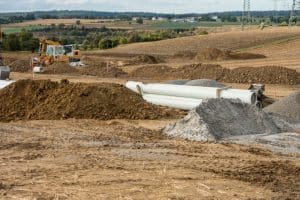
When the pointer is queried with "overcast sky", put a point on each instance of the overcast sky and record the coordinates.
(165, 6)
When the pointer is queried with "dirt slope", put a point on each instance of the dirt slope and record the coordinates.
(228, 40)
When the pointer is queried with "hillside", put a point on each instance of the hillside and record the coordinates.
(228, 40)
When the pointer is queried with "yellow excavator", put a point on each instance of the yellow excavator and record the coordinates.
(52, 51)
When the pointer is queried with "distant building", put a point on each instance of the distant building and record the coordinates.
(214, 17)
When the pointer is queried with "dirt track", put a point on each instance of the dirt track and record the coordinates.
(116, 160)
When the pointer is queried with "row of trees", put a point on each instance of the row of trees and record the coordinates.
(23, 41)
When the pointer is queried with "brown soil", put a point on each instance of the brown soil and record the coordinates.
(153, 71)
(266, 74)
(146, 59)
(60, 68)
(43, 99)
(217, 54)
(91, 159)
(102, 70)
(20, 66)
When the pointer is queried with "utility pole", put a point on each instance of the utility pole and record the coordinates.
(292, 16)
(246, 15)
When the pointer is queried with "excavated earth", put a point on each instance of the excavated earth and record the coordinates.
(217, 54)
(266, 74)
(46, 100)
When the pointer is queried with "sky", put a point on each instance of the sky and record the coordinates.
(161, 6)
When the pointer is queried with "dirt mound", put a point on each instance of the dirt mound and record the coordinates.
(288, 107)
(20, 66)
(60, 68)
(146, 59)
(266, 74)
(218, 119)
(102, 70)
(153, 71)
(185, 54)
(217, 54)
(211, 54)
(46, 100)
(201, 71)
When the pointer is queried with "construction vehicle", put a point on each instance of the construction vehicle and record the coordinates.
(51, 52)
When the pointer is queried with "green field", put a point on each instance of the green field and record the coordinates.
(186, 25)
(9, 30)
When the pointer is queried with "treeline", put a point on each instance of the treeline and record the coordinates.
(23, 41)
(104, 38)
(16, 18)
(81, 14)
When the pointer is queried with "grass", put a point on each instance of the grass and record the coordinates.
(9, 30)
(186, 25)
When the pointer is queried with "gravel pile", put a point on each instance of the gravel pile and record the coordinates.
(219, 119)
(288, 107)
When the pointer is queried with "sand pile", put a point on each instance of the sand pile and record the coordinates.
(287, 107)
(218, 119)
(20, 66)
(266, 74)
(60, 68)
(46, 100)
(217, 54)
(102, 70)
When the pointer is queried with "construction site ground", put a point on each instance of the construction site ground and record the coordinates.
(133, 159)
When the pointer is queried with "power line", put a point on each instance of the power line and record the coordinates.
(246, 15)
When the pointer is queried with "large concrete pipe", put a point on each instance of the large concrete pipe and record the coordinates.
(193, 92)
(173, 102)
(4, 84)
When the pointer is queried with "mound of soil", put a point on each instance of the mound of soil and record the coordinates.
(201, 71)
(211, 54)
(60, 68)
(245, 56)
(217, 54)
(46, 100)
(218, 119)
(102, 70)
(266, 74)
(146, 59)
(288, 107)
(20, 66)
(185, 54)
(153, 71)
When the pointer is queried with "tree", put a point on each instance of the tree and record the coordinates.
(78, 22)
(61, 25)
(140, 20)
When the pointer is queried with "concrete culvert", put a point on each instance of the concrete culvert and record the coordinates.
(205, 83)
(218, 119)
(177, 82)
